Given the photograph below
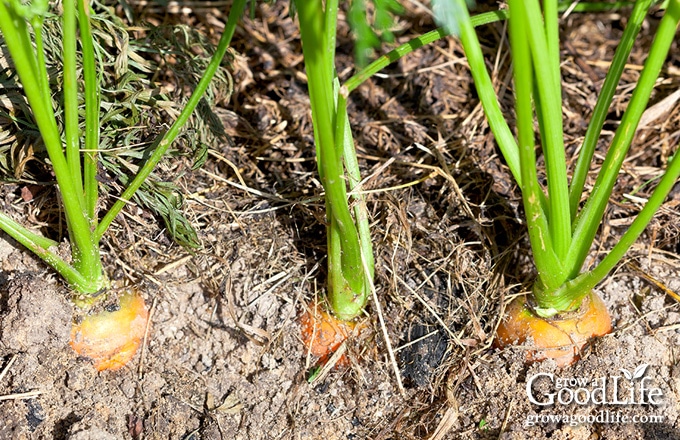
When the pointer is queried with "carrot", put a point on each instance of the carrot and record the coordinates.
(111, 338)
(560, 338)
(323, 333)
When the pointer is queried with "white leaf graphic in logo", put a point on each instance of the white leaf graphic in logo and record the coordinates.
(627, 374)
(640, 371)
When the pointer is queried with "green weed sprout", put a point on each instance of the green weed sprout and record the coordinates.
(561, 228)
(109, 338)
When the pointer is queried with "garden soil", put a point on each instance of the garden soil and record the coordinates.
(224, 359)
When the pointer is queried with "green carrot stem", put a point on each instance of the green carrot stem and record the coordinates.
(552, 38)
(329, 36)
(353, 180)
(14, 30)
(550, 98)
(587, 222)
(392, 56)
(604, 100)
(349, 294)
(570, 294)
(350, 280)
(477, 20)
(20, 40)
(72, 135)
(92, 119)
(40, 246)
(41, 67)
(487, 95)
(548, 264)
(340, 293)
(70, 88)
(12, 225)
(163, 145)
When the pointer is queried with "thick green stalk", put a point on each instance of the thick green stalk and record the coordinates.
(353, 180)
(86, 254)
(487, 96)
(17, 37)
(40, 246)
(70, 88)
(41, 66)
(587, 223)
(36, 22)
(604, 100)
(329, 36)
(552, 37)
(83, 264)
(549, 95)
(478, 20)
(7, 224)
(570, 294)
(348, 304)
(548, 265)
(92, 119)
(347, 285)
(163, 145)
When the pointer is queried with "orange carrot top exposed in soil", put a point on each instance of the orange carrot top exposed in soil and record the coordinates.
(322, 333)
(111, 339)
(561, 338)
